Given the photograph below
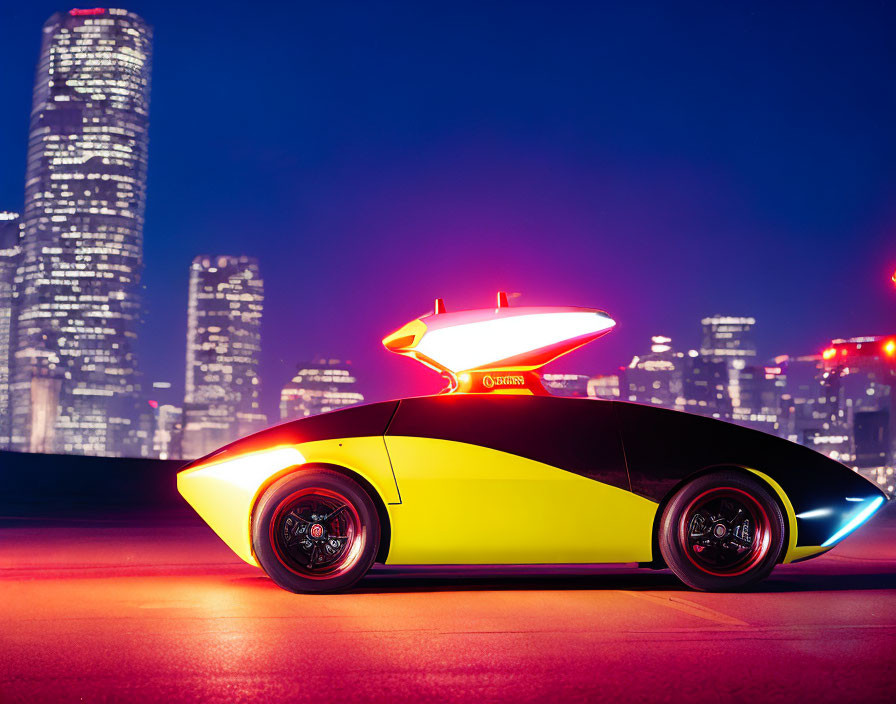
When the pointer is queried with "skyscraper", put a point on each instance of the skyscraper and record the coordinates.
(729, 339)
(655, 377)
(75, 374)
(223, 346)
(10, 248)
(317, 387)
(704, 385)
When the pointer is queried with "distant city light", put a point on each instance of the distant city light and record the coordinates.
(318, 387)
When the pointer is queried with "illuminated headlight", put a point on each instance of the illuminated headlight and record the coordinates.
(864, 511)
(250, 470)
(815, 513)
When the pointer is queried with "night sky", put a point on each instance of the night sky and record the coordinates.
(661, 161)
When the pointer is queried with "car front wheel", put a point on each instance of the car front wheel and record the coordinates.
(722, 532)
(315, 531)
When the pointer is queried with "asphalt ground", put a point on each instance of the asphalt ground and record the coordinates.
(156, 608)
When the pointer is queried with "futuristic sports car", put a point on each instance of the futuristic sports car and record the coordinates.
(496, 471)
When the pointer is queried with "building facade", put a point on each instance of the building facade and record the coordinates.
(655, 377)
(729, 339)
(167, 436)
(860, 377)
(75, 379)
(221, 403)
(573, 385)
(10, 249)
(319, 386)
(604, 386)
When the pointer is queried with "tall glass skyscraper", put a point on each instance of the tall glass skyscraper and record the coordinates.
(10, 249)
(221, 402)
(75, 372)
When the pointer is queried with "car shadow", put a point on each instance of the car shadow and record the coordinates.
(828, 582)
(396, 580)
(526, 579)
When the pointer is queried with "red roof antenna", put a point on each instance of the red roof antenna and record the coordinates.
(502, 300)
(440, 306)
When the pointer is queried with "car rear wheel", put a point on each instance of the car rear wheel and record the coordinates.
(722, 532)
(315, 531)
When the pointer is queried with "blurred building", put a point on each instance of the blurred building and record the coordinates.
(165, 427)
(10, 249)
(74, 381)
(704, 386)
(804, 403)
(761, 389)
(604, 387)
(318, 387)
(654, 377)
(729, 339)
(860, 375)
(566, 384)
(168, 432)
(221, 401)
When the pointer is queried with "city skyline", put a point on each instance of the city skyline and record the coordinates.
(383, 222)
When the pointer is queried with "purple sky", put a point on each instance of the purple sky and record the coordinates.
(663, 162)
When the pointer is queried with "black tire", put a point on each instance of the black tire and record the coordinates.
(305, 542)
(722, 532)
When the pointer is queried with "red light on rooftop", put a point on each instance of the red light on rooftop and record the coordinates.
(153, 404)
(829, 353)
(77, 12)
(890, 348)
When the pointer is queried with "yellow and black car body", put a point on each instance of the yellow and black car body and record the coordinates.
(485, 478)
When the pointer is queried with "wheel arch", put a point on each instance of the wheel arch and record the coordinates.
(768, 482)
(383, 515)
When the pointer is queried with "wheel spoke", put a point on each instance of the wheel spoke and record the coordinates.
(326, 554)
(335, 513)
(722, 534)
(736, 519)
(292, 539)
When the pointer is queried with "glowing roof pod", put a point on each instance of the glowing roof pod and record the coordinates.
(472, 346)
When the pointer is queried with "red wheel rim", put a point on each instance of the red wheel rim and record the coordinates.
(725, 532)
(316, 533)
